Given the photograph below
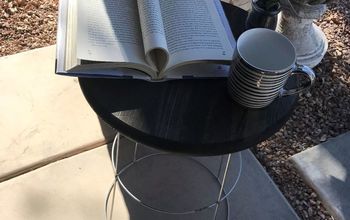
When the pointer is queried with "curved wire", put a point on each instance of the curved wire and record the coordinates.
(116, 143)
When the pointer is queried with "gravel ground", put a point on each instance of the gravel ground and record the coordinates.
(322, 113)
(26, 25)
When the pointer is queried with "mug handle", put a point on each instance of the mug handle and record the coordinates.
(300, 70)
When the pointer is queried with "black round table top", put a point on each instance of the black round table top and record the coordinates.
(194, 116)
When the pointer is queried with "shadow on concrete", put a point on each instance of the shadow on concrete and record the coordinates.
(170, 182)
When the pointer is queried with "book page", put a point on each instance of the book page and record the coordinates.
(153, 33)
(71, 31)
(194, 32)
(62, 32)
(109, 31)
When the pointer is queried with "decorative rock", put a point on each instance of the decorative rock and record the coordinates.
(323, 138)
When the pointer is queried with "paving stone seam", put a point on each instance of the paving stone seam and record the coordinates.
(52, 159)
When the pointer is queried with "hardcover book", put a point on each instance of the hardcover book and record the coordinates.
(145, 39)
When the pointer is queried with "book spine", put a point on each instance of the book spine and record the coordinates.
(61, 35)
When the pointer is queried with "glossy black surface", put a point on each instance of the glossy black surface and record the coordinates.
(185, 116)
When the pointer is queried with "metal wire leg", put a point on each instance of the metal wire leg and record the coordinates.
(115, 146)
(223, 195)
(115, 160)
(222, 187)
(116, 142)
(135, 152)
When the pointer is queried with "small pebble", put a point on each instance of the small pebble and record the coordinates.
(323, 138)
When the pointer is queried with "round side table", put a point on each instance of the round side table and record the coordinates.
(186, 117)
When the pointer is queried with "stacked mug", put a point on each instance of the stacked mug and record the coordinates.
(264, 61)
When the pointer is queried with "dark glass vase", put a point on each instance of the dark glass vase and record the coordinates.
(261, 18)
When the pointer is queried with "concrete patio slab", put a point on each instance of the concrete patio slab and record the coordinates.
(326, 169)
(73, 188)
(257, 196)
(43, 117)
(76, 188)
(176, 183)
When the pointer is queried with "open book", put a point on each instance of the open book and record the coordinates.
(150, 39)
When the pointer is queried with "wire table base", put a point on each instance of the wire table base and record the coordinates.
(222, 194)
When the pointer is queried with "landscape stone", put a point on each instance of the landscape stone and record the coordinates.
(326, 169)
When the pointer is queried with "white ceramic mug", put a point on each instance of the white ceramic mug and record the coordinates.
(264, 61)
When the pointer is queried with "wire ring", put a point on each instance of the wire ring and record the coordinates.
(117, 179)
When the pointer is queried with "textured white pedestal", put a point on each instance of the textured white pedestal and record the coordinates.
(308, 39)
